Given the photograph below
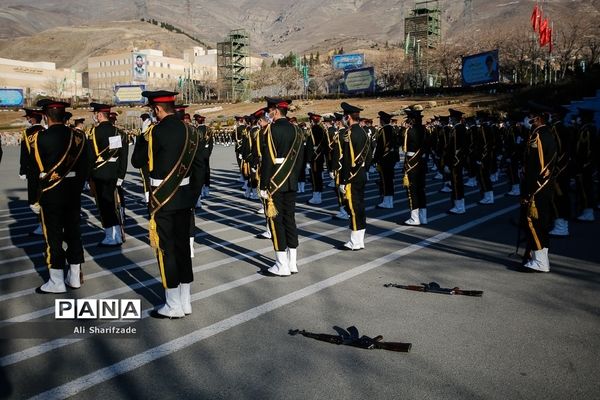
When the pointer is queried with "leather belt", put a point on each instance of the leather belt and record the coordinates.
(112, 159)
(157, 182)
(69, 175)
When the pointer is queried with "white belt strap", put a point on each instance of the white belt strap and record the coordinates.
(68, 175)
(157, 182)
(410, 153)
(279, 160)
(112, 159)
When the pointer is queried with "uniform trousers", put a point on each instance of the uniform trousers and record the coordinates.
(416, 185)
(60, 223)
(284, 232)
(105, 197)
(355, 204)
(386, 175)
(537, 228)
(458, 186)
(316, 172)
(173, 253)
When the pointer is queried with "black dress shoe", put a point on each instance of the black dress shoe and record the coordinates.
(269, 274)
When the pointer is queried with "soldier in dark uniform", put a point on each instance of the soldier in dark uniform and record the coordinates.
(61, 159)
(584, 165)
(454, 163)
(563, 136)
(238, 134)
(336, 163)
(483, 156)
(536, 192)
(385, 158)
(209, 143)
(415, 167)
(316, 145)
(34, 118)
(515, 136)
(278, 184)
(139, 144)
(110, 153)
(356, 152)
(176, 177)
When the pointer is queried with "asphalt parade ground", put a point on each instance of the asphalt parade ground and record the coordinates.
(530, 336)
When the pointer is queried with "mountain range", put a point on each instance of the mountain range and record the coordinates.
(275, 26)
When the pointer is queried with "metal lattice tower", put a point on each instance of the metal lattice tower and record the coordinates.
(233, 65)
(424, 24)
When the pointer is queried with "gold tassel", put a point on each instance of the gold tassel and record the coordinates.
(271, 210)
(533, 212)
(405, 181)
(153, 234)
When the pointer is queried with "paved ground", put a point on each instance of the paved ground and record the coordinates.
(531, 336)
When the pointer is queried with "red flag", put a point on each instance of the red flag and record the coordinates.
(535, 17)
(543, 32)
(549, 37)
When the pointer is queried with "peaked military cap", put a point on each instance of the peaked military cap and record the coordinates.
(278, 102)
(259, 113)
(314, 117)
(100, 107)
(349, 108)
(455, 113)
(79, 120)
(384, 115)
(49, 103)
(145, 116)
(338, 116)
(68, 116)
(180, 107)
(160, 96)
(30, 112)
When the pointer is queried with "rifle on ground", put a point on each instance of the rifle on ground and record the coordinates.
(434, 287)
(351, 338)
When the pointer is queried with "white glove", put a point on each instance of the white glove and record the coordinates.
(22, 177)
(331, 175)
(119, 182)
(264, 194)
(343, 189)
(478, 162)
(239, 156)
(307, 165)
(35, 208)
(446, 169)
(253, 170)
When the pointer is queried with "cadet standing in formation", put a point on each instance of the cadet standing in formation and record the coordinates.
(34, 119)
(315, 150)
(175, 167)
(415, 166)
(60, 159)
(540, 160)
(356, 154)
(278, 185)
(110, 154)
(385, 159)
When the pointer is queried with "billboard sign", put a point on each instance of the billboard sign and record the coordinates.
(11, 98)
(139, 67)
(129, 94)
(479, 69)
(348, 61)
(359, 80)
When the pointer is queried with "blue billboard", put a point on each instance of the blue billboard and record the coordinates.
(348, 61)
(11, 98)
(359, 80)
(479, 69)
